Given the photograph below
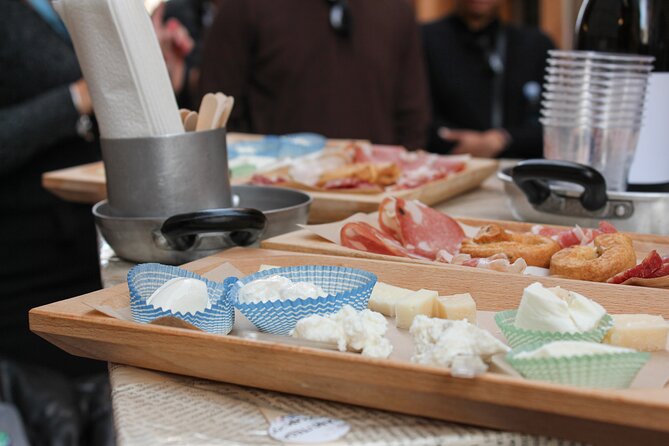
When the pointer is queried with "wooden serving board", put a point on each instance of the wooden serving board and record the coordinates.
(631, 416)
(333, 206)
(87, 183)
(306, 241)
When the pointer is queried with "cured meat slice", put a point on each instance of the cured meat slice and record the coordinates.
(388, 221)
(498, 262)
(365, 237)
(574, 236)
(645, 269)
(662, 271)
(426, 231)
(348, 183)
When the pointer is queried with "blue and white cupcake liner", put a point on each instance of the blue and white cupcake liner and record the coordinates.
(345, 286)
(146, 278)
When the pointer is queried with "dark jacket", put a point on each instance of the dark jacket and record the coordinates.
(290, 72)
(48, 247)
(461, 82)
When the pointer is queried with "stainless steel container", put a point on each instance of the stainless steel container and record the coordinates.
(167, 175)
(186, 237)
(566, 193)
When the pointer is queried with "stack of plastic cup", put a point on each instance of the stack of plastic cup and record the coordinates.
(592, 110)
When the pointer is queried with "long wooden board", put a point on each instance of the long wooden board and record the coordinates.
(87, 184)
(333, 206)
(631, 416)
(308, 242)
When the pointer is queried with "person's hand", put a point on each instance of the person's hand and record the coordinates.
(486, 144)
(175, 43)
(81, 97)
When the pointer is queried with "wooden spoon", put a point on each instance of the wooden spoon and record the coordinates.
(183, 113)
(190, 123)
(229, 104)
(206, 113)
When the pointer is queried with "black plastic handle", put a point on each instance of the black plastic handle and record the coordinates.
(531, 175)
(244, 226)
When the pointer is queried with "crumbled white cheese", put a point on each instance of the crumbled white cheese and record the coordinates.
(440, 341)
(557, 310)
(363, 331)
(277, 287)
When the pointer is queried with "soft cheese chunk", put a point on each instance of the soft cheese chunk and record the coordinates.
(277, 287)
(439, 341)
(456, 307)
(561, 349)
(643, 332)
(384, 297)
(557, 310)
(181, 295)
(361, 331)
(419, 302)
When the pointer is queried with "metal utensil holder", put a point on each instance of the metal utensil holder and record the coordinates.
(167, 175)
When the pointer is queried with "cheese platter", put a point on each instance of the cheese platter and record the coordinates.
(409, 231)
(634, 415)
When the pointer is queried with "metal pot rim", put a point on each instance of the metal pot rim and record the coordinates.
(504, 176)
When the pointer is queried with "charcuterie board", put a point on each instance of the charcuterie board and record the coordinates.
(308, 242)
(631, 416)
(333, 206)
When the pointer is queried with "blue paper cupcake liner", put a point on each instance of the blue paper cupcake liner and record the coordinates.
(146, 278)
(345, 286)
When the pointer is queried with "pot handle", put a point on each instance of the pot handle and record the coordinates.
(244, 226)
(530, 177)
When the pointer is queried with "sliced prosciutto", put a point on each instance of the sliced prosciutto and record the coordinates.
(417, 167)
(576, 235)
(365, 237)
(650, 267)
(419, 228)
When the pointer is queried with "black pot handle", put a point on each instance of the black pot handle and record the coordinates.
(244, 226)
(530, 177)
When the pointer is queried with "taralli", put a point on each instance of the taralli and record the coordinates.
(536, 250)
(611, 254)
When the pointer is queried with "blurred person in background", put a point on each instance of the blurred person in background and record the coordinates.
(345, 69)
(196, 16)
(485, 83)
(49, 246)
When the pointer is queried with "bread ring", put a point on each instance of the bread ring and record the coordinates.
(536, 250)
(611, 254)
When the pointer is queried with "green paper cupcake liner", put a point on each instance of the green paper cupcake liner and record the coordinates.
(601, 370)
(517, 337)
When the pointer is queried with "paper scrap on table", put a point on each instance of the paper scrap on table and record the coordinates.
(122, 63)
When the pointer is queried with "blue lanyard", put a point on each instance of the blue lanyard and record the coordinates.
(46, 11)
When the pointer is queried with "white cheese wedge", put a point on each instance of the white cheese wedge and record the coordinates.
(644, 332)
(456, 307)
(384, 297)
(418, 302)
(557, 310)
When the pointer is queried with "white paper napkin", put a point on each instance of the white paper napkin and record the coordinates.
(122, 63)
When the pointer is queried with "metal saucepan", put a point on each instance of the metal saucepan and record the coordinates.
(264, 212)
(566, 193)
